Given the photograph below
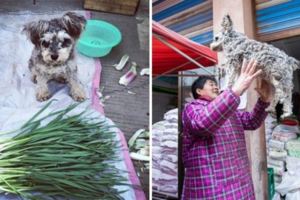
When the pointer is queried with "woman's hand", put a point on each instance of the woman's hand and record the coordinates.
(265, 91)
(248, 74)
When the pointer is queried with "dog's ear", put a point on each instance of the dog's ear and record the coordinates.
(34, 31)
(73, 24)
(226, 23)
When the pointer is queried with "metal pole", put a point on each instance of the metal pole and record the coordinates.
(175, 68)
(179, 153)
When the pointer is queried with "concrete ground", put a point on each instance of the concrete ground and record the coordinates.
(127, 107)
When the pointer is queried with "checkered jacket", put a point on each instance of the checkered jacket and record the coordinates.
(214, 148)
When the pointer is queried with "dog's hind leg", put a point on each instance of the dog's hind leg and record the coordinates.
(33, 74)
(271, 109)
(287, 104)
(33, 78)
(230, 77)
(276, 97)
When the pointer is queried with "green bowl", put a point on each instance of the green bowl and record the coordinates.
(98, 38)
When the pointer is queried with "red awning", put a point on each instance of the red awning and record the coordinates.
(166, 60)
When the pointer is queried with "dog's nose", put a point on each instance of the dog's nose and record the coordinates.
(54, 57)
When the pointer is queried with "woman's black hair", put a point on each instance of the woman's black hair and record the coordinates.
(199, 83)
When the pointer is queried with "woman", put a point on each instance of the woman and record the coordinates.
(214, 147)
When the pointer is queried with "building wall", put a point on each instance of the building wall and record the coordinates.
(161, 103)
(277, 19)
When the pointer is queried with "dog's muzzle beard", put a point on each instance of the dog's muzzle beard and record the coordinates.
(53, 63)
(216, 47)
(55, 59)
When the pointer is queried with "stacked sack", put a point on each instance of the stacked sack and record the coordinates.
(277, 151)
(157, 131)
(270, 124)
(293, 148)
(164, 154)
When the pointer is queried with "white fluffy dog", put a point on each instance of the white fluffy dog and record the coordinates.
(277, 67)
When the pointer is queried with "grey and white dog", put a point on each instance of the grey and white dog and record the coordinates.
(277, 67)
(53, 54)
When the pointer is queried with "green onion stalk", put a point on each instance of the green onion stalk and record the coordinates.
(71, 157)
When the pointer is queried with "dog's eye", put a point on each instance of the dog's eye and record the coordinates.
(216, 38)
(45, 44)
(66, 43)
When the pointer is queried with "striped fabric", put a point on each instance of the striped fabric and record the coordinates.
(190, 18)
(214, 148)
(277, 19)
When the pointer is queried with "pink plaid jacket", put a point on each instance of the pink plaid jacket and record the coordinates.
(214, 148)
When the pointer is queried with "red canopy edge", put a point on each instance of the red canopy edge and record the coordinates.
(166, 60)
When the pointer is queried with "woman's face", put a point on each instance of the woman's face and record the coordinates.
(210, 90)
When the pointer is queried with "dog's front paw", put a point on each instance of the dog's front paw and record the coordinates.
(33, 79)
(286, 115)
(270, 109)
(43, 95)
(78, 95)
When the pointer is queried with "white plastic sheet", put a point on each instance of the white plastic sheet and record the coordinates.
(290, 185)
(17, 99)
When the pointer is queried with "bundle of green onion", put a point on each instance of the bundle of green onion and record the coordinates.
(70, 157)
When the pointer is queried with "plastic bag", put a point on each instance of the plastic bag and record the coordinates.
(293, 145)
(284, 137)
(276, 196)
(286, 129)
(278, 155)
(293, 195)
(171, 115)
(293, 165)
(290, 183)
(276, 144)
(278, 163)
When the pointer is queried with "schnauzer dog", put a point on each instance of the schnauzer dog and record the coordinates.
(277, 67)
(53, 54)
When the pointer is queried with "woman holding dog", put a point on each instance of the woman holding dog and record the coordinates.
(214, 148)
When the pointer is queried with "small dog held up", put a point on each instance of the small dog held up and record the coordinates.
(53, 55)
(276, 65)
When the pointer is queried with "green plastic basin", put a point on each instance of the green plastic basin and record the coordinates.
(98, 38)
